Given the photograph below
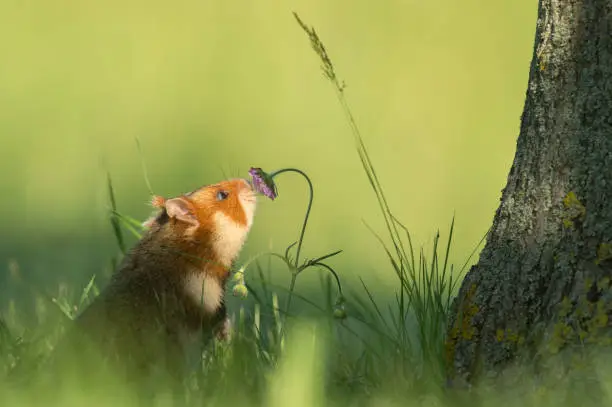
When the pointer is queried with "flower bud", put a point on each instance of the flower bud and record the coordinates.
(339, 313)
(240, 290)
(238, 276)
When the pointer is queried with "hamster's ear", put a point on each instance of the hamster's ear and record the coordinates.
(180, 209)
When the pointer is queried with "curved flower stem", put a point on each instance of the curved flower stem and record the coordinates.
(331, 270)
(303, 174)
(299, 243)
(290, 296)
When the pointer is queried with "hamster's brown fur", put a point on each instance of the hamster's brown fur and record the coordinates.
(168, 291)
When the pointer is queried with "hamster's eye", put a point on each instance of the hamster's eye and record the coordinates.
(221, 195)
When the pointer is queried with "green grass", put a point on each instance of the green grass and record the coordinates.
(380, 354)
(373, 351)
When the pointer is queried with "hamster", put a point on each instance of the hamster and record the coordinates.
(168, 293)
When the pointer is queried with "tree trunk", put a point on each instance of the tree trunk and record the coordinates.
(542, 282)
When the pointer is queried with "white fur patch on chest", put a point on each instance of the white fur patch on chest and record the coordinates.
(205, 291)
(229, 239)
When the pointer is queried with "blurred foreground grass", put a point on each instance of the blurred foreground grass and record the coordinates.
(377, 356)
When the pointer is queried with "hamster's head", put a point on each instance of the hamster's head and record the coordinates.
(218, 216)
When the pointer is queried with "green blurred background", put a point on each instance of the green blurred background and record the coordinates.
(211, 88)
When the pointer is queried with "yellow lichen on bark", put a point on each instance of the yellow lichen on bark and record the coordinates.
(462, 328)
(604, 252)
(585, 321)
(510, 336)
(574, 209)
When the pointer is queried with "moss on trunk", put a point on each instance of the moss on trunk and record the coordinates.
(543, 278)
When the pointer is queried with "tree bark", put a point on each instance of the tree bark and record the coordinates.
(542, 283)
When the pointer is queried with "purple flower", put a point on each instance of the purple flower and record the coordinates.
(263, 183)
